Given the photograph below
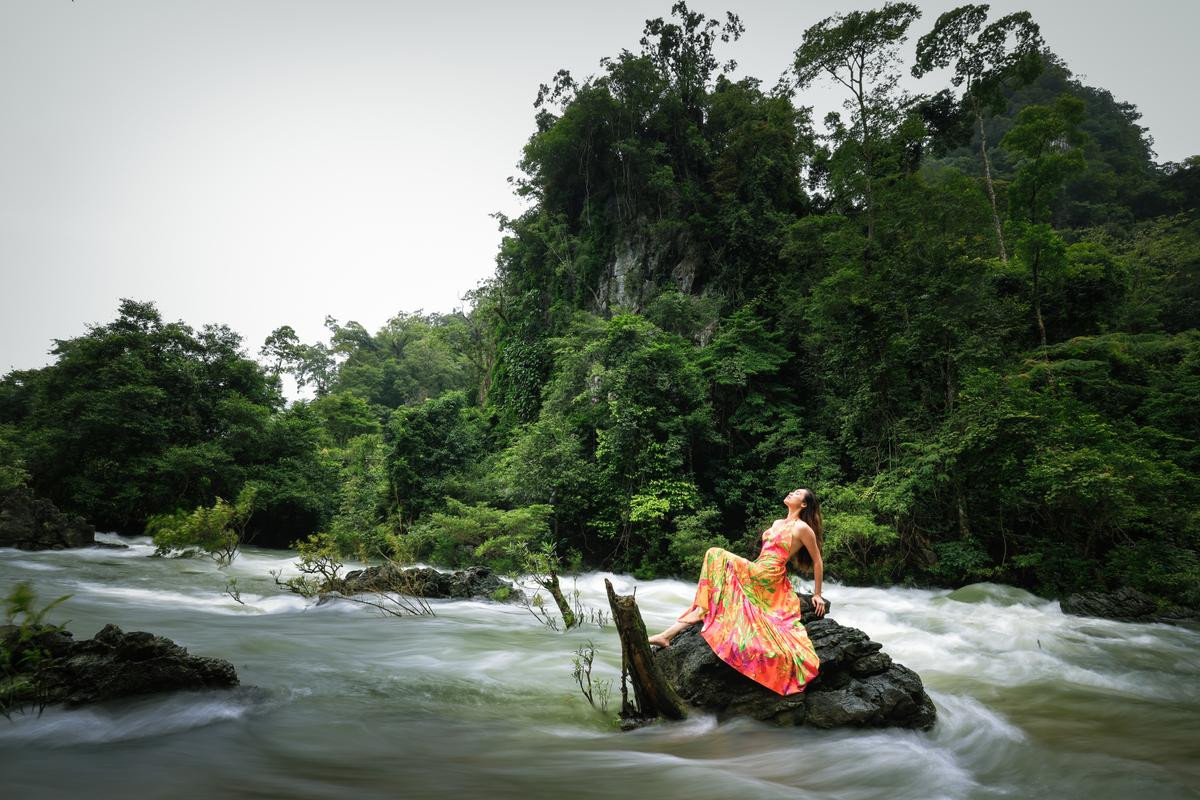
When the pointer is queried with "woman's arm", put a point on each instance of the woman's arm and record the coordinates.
(818, 570)
(808, 539)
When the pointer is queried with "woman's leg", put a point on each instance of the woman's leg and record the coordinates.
(664, 639)
(714, 564)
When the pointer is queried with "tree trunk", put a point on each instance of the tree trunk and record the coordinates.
(653, 695)
(1037, 298)
(987, 182)
(564, 608)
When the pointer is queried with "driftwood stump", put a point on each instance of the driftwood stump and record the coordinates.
(654, 696)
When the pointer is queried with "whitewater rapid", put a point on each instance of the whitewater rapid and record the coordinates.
(338, 700)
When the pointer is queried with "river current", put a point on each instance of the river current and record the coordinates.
(338, 701)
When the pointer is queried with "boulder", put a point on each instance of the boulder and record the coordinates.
(29, 522)
(858, 685)
(470, 583)
(1127, 605)
(110, 664)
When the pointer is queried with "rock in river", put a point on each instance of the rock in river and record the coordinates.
(472, 582)
(111, 664)
(1127, 605)
(29, 522)
(858, 686)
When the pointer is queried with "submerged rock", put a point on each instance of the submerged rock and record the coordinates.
(29, 522)
(858, 685)
(110, 545)
(110, 664)
(470, 583)
(1126, 605)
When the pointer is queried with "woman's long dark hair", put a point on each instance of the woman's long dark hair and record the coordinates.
(811, 513)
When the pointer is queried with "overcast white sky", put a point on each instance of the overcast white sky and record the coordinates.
(268, 163)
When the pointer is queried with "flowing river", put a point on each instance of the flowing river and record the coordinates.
(340, 702)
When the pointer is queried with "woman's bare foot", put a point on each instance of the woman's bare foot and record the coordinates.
(664, 639)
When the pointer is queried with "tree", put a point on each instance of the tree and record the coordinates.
(314, 365)
(986, 65)
(859, 51)
(283, 346)
(140, 416)
(1047, 140)
(409, 360)
(684, 52)
(425, 445)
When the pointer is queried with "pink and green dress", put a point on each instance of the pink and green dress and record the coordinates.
(752, 620)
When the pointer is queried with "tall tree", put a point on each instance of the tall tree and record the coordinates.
(986, 64)
(859, 51)
(1047, 140)
(684, 52)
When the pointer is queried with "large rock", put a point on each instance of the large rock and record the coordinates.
(858, 685)
(110, 664)
(34, 523)
(470, 583)
(1127, 605)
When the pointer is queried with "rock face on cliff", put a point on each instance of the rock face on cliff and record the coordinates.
(1127, 605)
(110, 664)
(858, 685)
(472, 582)
(34, 523)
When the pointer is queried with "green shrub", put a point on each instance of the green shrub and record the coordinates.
(1158, 567)
(961, 561)
(22, 659)
(691, 539)
(215, 530)
(464, 535)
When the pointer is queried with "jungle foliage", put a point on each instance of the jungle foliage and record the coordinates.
(966, 318)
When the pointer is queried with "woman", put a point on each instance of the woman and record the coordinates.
(751, 615)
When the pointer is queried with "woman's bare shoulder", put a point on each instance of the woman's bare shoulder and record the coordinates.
(800, 527)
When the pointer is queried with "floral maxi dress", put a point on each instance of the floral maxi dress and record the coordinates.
(752, 620)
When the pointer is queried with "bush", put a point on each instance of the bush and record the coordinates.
(961, 561)
(217, 530)
(1158, 567)
(22, 659)
(691, 539)
(464, 535)
(857, 547)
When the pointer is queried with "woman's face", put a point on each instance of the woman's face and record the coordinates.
(795, 498)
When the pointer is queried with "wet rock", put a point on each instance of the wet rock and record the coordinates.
(29, 522)
(477, 582)
(110, 664)
(470, 583)
(858, 685)
(111, 545)
(1127, 605)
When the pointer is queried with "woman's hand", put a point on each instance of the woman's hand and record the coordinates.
(819, 604)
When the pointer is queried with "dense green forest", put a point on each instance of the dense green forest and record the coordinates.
(965, 318)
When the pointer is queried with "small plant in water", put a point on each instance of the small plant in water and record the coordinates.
(596, 691)
(595, 616)
(231, 589)
(536, 605)
(22, 659)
